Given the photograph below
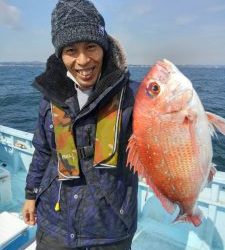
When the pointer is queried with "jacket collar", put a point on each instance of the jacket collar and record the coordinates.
(57, 87)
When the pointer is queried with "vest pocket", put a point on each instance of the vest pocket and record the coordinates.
(47, 216)
(98, 220)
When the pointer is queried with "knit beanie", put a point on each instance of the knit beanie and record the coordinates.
(77, 21)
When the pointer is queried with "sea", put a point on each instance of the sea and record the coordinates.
(19, 101)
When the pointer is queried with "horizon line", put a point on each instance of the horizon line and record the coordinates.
(131, 64)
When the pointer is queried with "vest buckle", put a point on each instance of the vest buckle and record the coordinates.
(86, 152)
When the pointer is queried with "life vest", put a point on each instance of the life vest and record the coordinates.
(106, 138)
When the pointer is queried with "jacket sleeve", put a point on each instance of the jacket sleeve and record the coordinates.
(41, 156)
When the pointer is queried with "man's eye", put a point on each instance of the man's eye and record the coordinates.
(91, 46)
(69, 51)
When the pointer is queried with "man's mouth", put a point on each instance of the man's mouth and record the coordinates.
(85, 72)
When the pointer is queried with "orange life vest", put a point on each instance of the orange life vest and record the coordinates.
(106, 138)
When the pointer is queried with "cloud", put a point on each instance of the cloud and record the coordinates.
(10, 16)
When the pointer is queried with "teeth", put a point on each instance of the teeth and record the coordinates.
(85, 72)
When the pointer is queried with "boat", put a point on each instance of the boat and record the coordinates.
(156, 229)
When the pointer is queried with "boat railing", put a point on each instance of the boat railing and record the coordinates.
(16, 148)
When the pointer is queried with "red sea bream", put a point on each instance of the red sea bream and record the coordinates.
(171, 144)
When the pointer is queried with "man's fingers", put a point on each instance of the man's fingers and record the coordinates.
(32, 218)
(29, 212)
(29, 217)
(25, 217)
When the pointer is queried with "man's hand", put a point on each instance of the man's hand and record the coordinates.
(29, 212)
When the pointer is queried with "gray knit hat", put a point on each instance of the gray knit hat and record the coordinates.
(77, 21)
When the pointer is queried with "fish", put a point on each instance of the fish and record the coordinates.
(171, 142)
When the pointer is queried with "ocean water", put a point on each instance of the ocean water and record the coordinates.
(19, 101)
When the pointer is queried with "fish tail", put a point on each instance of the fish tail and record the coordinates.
(195, 218)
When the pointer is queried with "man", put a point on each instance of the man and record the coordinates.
(78, 188)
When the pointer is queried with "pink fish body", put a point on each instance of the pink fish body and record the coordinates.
(171, 143)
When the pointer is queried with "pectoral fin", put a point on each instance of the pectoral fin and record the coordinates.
(134, 161)
(216, 121)
(133, 157)
(212, 172)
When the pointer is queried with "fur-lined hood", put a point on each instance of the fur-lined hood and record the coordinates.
(118, 56)
(57, 87)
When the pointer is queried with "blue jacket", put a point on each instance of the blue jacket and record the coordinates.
(101, 206)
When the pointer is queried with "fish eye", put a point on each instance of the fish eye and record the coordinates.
(153, 89)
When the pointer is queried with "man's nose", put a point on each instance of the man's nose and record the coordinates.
(82, 58)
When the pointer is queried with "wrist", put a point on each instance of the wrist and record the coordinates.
(31, 193)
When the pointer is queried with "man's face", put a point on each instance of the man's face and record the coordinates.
(84, 61)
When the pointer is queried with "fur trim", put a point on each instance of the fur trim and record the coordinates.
(119, 57)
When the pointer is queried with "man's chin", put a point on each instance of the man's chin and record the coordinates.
(84, 85)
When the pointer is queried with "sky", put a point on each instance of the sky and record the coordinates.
(184, 31)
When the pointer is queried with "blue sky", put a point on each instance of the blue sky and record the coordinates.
(184, 31)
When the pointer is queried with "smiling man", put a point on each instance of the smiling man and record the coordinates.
(78, 188)
(83, 61)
